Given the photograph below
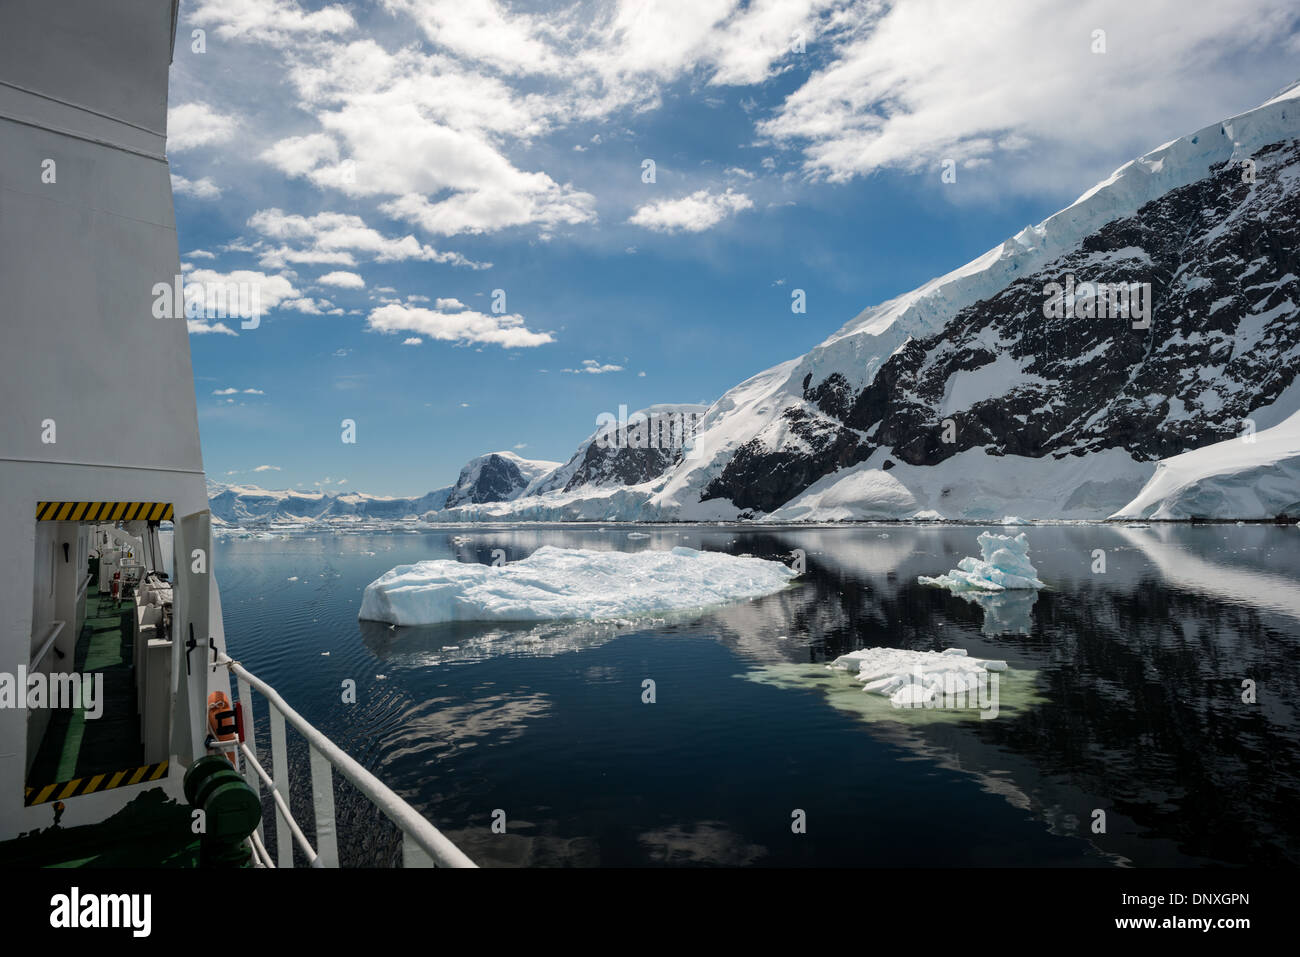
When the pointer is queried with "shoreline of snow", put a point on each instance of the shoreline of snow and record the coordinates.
(1256, 477)
(756, 524)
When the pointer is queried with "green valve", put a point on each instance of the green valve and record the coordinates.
(230, 807)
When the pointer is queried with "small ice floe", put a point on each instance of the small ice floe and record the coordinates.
(381, 677)
(294, 578)
(460, 539)
(1137, 525)
(1015, 520)
(1003, 565)
(563, 583)
(325, 654)
(637, 535)
(927, 679)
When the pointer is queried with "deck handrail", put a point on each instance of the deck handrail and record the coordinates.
(414, 827)
(54, 629)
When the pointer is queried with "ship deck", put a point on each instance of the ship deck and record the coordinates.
(150, 831)
(75, 747)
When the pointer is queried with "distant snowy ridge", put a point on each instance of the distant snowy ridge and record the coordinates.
(611, 477)
(250, 504)
(484, 479)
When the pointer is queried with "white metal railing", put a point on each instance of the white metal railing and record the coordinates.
(54, 629)
(423, 845)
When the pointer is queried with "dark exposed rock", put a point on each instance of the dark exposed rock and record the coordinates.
(1221, 258)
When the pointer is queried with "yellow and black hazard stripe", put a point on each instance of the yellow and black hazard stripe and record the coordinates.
(103, 511)
(95, 782)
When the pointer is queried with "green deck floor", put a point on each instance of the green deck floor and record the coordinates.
(74, 746)
(151, 830)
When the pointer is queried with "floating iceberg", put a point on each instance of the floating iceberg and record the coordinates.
(926, 679)
(1004, 566)
(563, 583)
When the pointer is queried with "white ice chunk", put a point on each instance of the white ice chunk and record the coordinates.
(886, 686)
(909, 696)
(922, 678)
(1004, 565)
(564, 583)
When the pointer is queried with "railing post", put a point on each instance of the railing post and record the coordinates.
(423, 844)
(322, 796)
(250, 738)
(280, 772)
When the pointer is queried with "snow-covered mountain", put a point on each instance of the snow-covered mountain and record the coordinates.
(611, 477)
(496, 477)
(978, 394)
(249, 504)
(1015, 384)
(1071, 372)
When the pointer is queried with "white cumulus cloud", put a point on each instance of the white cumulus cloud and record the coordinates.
(197, 327)
(465, 326)
(344, 280)
(203, 188)
(694, 213)
(191, 125)
(592, 367)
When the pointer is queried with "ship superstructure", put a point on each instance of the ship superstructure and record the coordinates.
(106, 575)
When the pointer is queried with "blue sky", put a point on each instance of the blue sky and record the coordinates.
(379, 169)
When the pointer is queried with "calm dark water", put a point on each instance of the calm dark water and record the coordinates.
(1125, 696)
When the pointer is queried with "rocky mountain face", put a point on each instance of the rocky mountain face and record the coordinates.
(1155, 315)
(496, 477)
(1208, 277)
(633, 450)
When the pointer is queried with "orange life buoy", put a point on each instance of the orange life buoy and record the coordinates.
(222, 722)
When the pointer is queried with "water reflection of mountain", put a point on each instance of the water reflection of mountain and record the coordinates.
(1139, 667)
